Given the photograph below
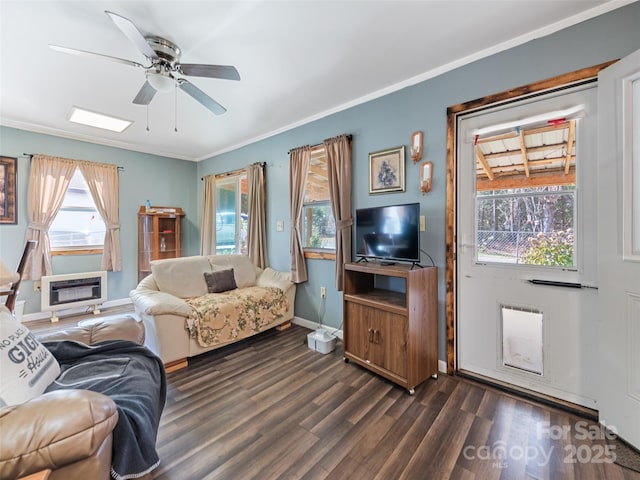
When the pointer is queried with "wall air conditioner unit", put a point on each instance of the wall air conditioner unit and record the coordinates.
(61, 292)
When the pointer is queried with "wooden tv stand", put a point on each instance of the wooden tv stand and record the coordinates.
(391, 320)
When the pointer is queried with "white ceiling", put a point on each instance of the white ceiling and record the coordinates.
(298, 60)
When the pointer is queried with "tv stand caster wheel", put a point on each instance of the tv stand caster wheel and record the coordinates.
(434, 376)
(411, 391)
(346, 360)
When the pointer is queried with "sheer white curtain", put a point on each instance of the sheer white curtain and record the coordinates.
(49, 178)
(208, 217)
(298, 167)
(257, 214)
(103, 182)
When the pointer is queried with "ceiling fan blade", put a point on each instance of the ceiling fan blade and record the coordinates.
(82, 53)
(145, 95)
(226, 72)
(132, 33)
(201, 97)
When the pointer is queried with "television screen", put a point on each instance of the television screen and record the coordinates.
(390, 232)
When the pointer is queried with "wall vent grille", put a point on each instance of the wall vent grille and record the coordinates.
(60, 292)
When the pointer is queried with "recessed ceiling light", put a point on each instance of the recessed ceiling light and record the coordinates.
(98, 120)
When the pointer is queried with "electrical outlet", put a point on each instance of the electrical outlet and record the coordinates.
(323, 292)
(423, 223)
(36, 285)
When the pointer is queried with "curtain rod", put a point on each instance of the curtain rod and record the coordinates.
(120, 168)
(233, 172)
(350, 137)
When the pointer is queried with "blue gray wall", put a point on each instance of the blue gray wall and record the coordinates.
(389, 121)
(379, 124)
(163, 181)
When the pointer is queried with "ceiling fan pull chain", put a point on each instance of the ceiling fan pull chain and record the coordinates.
(175, 108)
(147, 117)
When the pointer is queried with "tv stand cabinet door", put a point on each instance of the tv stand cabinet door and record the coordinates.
(356, 339)
(377, 338)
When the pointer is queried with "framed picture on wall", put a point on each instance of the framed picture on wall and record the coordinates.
(8, 189)
(386, 171)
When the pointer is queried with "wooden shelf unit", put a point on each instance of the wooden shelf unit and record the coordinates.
(393, 333)
(159, 236)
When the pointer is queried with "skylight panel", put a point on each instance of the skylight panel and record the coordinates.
(98, 120)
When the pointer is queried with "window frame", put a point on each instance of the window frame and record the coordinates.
(317, 152)
(238, 177)
(66, 250)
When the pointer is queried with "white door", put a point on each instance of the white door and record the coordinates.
(619, 246)
(526, 264)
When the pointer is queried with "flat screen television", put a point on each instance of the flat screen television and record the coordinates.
(389, 232)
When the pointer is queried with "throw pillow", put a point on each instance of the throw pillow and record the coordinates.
(27, 368)
(220, 280)
(243, 269)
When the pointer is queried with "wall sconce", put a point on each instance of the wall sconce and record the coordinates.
(416, 146)
(426, 174)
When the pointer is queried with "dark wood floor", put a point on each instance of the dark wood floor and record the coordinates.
(270, 408)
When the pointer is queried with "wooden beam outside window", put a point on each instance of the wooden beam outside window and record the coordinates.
(483, 162)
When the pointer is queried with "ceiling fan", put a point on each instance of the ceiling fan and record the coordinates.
(162, 75)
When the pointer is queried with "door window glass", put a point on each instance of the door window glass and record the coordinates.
(526, 196)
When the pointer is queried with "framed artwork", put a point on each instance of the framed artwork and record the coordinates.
(386, 171)
(8, 190)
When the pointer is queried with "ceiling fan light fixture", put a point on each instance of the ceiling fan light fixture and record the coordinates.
(162, 83)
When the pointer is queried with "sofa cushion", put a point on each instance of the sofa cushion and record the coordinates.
(244, 270)
(55, 430)
(125, 327)
(181, 277)
(220, 281)
(274, 278)
(26, 366)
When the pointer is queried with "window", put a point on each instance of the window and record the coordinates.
(533, 226)
(232, 214)
(526, 196)
(318, 224)
(78, 227)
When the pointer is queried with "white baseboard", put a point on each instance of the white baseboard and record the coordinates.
(442, 366)
(32, 317)
(314, 326)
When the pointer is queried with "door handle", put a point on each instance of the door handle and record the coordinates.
(370, 336)
(553, 283)
(378, 337)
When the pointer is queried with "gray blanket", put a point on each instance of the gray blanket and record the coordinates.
(134, 378)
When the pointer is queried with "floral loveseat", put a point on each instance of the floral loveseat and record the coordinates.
(183, 319)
